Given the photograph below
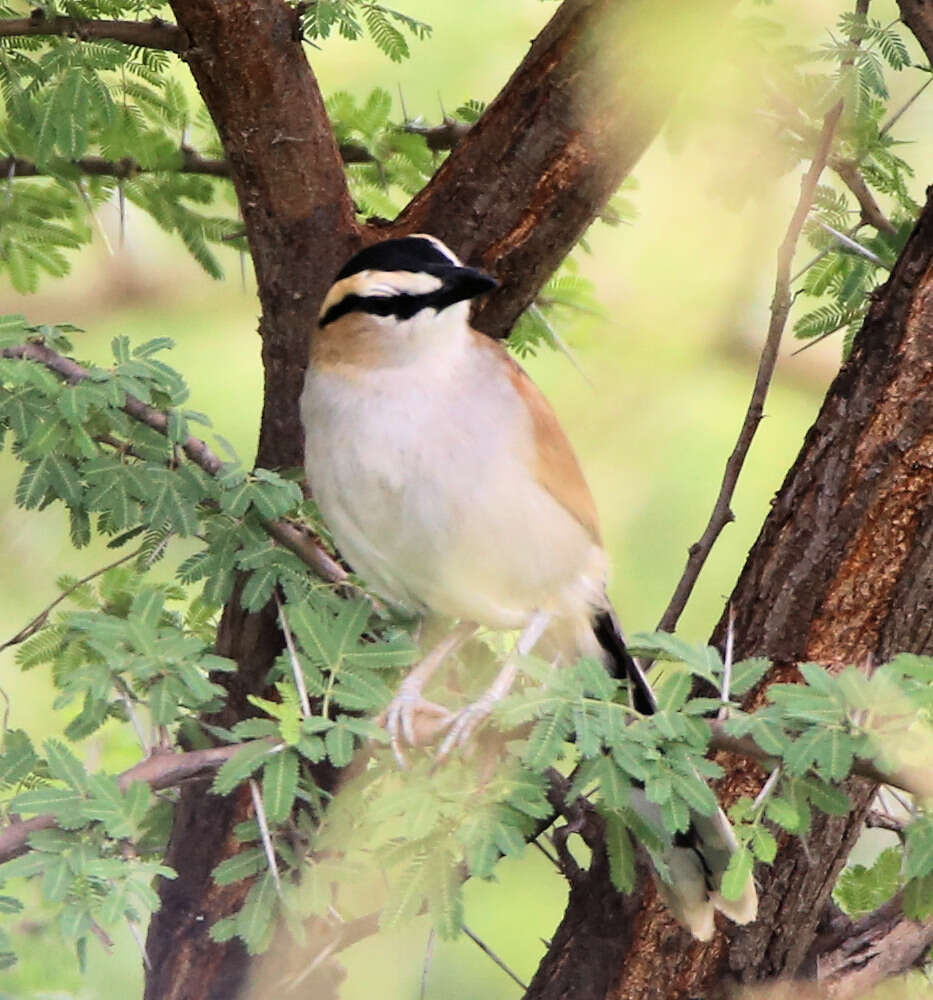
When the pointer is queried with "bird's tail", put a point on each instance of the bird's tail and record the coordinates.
(699, 856)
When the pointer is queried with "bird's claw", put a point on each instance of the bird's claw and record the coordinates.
(413, 720)
(463, 725)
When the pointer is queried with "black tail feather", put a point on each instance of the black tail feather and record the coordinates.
(698, 856)
(620, 662)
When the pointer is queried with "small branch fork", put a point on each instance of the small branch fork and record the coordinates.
(780, 308)
(287, 534)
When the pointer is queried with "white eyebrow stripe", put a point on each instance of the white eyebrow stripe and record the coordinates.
(380, 284)
(444, 249)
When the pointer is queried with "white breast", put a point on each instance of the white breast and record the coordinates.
(422, 473)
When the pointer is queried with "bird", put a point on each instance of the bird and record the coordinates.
(451, 489)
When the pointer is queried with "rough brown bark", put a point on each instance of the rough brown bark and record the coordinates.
(247, 60)
(851, 957)
(522, 187)
(841, 574)
(185, 962)
(918, 16)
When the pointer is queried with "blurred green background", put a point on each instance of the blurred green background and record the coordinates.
(666, 379)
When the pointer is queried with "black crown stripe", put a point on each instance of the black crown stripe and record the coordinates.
(405, 253)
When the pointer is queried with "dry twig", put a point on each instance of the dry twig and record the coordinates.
(29, 630)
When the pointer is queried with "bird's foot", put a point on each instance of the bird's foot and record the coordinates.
(413, 720)
(464, 724)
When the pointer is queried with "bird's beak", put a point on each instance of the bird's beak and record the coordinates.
(466, 283)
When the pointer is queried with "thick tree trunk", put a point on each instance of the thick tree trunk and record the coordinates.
(517, 194)
(841, 573)
(247, 59)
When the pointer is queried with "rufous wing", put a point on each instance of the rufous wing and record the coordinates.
(556, 465)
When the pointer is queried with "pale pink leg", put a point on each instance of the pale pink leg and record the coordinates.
(400, 715)
(466, 721)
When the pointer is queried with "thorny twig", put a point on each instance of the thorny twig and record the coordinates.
(485, 948)
(426, 965)
(298, 673)
(780, 308)
(29, 630)
(727, 665)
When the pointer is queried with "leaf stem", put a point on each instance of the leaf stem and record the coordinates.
(264, 833)
(295, 662)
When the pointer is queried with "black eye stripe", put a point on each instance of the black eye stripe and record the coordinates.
(401, 306)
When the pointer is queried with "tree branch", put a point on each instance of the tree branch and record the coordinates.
(189, 162)
(851, 176)
(839, 574)
(40, 619)
(439, 137)
(166, 769)
(299, 540)
(159, 770)
(909, 778)
(527, 180)
(867, 951)
(152, 34)
(289, 179)
(295, 538)
(197, 450)
(780, 308)
(918, 16)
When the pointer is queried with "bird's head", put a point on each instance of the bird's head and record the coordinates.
(398, 279)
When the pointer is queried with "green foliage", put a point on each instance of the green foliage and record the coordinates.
(857, 58)
(564, 294)
(122, 646)
(862, 889)
(843, 274)
(80, 867)
(817, 730)
(99, 119)
(390, 162)
(864, 194)
(352, 19)
(96, 118)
